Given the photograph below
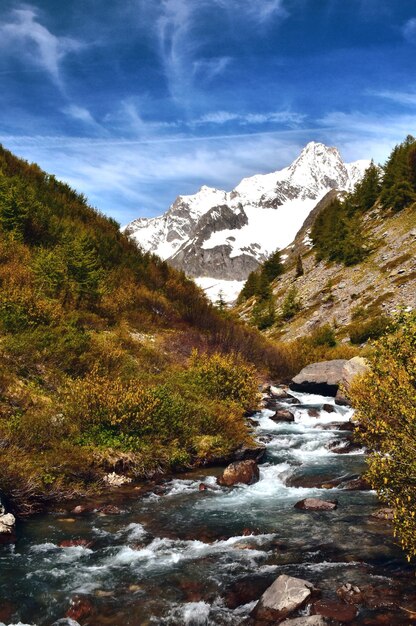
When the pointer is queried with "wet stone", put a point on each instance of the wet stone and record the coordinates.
(283, 597)
(316, 504)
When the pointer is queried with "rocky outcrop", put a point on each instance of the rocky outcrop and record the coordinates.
(316, 504)
(283, 597)
(246, 472)
(322, 378)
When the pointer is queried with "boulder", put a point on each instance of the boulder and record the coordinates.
(278, 392)
(316, 504)
(328, 408)
(357, 366)
(7, 524)
(322, 378)
(343, 446)
(384, 514)
(283, 415)
(246, 472)
(285, 595)
(247, 453)
(356, 484)
(335, 610)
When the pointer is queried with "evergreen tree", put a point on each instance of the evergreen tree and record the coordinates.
(299, 266)
(272, 267)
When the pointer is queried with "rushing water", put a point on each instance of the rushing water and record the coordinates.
(182, 557)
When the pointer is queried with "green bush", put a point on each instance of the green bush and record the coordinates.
(385, 411)
(323, 336)
(361, 331)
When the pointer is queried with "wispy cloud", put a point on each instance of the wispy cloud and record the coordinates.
(258, 10)
(80, 113)
(409, 30)
(210, 68)
(25, 37)
(401, 97)
(289, 118)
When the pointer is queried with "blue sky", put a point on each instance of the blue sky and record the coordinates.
(136, 101)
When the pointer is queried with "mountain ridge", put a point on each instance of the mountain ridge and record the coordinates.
(225, 235)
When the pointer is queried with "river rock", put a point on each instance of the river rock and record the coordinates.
(384, 514)
(328, 408)
(356, 484)
(278, 392)
(80, 607)
(283, 415)
(7, 528)
(321, 378)
(310, 620)
(316, 504)
(335, 610)
(370, 596)
(343, 446)
(357, 366)
(246, 472)
(285, 595)
(247, 453)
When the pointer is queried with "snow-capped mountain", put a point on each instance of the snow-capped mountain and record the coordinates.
(218, 236)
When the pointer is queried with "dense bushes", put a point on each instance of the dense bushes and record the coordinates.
(385, 404)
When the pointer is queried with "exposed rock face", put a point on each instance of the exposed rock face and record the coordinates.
(225, 235)
(323, 378)
(246, 472)
(283, 597)
(316, 504)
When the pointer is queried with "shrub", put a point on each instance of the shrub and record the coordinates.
(385, 410)
(225, 377)
(373, 328)
(323, 336)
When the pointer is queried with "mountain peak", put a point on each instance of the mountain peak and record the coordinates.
(262, 213)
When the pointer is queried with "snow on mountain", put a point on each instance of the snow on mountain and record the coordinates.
(222, 236)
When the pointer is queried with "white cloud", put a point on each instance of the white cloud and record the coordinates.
(209, 68)
(25, 37)
(409, 30)
(80, 113)
(289, 118)
(258, 10)
(401, 97)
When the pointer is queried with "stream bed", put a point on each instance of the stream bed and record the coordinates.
(180, 556)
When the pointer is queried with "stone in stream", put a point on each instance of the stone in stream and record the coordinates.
(80, 607)
(343, 446)
(384, 514)
(7, 527)
(246, 472)
(75, 543)
(370, 596)
(283, 597)
(283, 415)
(335, 610)
(316, 504)
(328, 408)
(321, 378)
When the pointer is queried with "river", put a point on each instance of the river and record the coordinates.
(180, 556)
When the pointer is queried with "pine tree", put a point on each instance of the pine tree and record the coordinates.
(299, 266)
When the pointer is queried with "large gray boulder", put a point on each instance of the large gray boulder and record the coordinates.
(322, 378)
(327, 377)
(285, 595)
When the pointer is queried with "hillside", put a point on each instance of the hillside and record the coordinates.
(219, 237)
(352, 264)
(97, 369)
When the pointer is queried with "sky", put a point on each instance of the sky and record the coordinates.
(134, 102)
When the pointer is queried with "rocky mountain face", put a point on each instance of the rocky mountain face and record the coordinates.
(222, 236)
